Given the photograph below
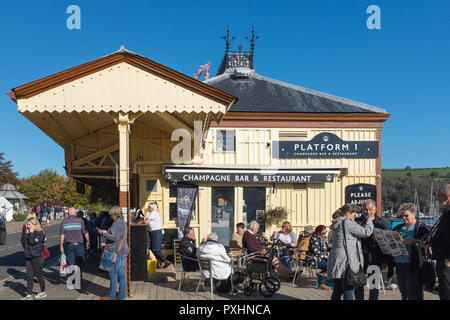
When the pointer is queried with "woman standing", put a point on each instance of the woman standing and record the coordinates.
(346, 251)
(318, 249)
(116, 241)
(33, 243)
(156, 231)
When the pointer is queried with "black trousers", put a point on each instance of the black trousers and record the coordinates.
(34, 269)
(443, 274)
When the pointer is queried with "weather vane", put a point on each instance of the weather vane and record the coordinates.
(227, 39)
(252, 40)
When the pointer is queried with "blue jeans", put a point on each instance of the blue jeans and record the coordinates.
(409, 281)
(341, 287)
(117, 273)
(285, 261)
(322, 266)
(75, 254)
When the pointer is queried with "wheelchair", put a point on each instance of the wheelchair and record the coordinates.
(256, 272)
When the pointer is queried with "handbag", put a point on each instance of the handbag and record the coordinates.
(46, 253)
(354, 279)
(109, 258)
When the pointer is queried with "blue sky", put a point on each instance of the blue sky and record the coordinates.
(323, 45)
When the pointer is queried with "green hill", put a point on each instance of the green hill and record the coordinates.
(437, 174)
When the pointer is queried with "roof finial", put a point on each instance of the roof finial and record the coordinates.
(252, 40)
(227, 39)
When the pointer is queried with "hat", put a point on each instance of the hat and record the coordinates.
(308, 229)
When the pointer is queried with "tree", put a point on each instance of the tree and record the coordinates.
(7, 175)
(46, 186)
(408, 168)
(434, 174)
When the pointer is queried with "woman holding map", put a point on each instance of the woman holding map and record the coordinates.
(408, 267)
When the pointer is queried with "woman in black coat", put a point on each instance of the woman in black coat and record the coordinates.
(33, 242)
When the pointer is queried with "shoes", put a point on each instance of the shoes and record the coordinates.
(27, 297)
(324, 287)
(41, 295)
(105, 298)
(166, 264)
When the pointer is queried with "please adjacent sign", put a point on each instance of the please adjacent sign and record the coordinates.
(358, 193)
(325, 145)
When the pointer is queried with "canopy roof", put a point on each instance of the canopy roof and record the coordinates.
(8, 191)
(123, 81)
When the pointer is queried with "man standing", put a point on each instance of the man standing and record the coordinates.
(71, 239)
(236, 239)
(188, 251)
(440, 243)
(371, 251)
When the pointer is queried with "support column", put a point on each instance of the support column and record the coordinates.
(378, 173)
(124, 179)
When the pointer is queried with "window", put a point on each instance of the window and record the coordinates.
(225, 141)
(173, 190)
(152, 185)
(222, 213)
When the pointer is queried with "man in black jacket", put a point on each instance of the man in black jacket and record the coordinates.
(440, 243)
(189, 250)
(371, 251)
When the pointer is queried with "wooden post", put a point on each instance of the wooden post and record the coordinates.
(124, 178)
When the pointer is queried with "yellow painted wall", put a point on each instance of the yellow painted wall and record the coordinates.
(308, 204)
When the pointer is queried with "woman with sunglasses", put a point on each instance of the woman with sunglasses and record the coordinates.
(318, 249)
(407, 268)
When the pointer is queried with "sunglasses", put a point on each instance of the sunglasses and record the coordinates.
(404, 216)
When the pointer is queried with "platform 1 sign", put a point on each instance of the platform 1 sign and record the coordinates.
(325, 145)
(358, 193)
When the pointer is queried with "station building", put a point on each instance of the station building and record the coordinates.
(264, 143)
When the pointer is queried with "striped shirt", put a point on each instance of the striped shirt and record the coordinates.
(73, 229)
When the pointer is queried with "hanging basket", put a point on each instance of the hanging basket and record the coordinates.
(274, 216)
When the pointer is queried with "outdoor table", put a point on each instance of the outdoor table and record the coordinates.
(234, 254)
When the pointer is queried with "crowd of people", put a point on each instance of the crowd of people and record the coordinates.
(348, 251)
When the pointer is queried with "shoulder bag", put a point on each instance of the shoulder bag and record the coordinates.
(354, 279)
(109, 258)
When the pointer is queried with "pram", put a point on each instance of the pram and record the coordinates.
(257, 272)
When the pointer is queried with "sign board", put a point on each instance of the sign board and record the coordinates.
(358, 193)
(325, 145)
(279, 177)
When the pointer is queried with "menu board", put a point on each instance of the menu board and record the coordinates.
(390, 242)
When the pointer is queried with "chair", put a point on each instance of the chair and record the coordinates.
(183, 272)
(299, 264)
(205, 265)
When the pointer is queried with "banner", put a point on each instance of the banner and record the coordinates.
(185, 204)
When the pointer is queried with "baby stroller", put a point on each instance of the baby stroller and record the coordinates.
(257, 272)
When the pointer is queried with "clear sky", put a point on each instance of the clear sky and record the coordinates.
(323, 45)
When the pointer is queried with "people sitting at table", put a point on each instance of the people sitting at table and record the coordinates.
(188, 249)
(318, 249)
(219, 259)
(288, 238)
(253, 245)
(303, 241)
(236, 239)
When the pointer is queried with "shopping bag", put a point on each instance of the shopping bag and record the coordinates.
(62, 265)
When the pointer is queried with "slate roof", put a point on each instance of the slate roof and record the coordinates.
(261, 94)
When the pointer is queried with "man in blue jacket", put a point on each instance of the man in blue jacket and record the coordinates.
(440, 242)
